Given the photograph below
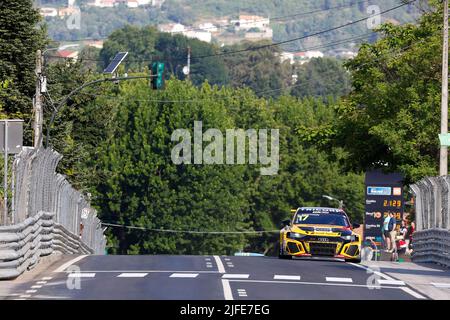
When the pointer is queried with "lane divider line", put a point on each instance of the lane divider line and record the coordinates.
(219, 263)
(81, 275)
(31, 291)
(183, 275)
(69, 263)
(413, 293)
(25, 296)
(336, 279)
(36, 287)
(391, 282)
(132, 275)
(367, 268)
(333, 284)
(235, 276)
(41, 282)
(47, 278)
(440, 285)
(285, 277)
(227, 293)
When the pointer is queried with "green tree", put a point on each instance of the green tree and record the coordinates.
(142, 186)
(322, 77)
(389, 119)
(146, 44)
(20, 37)
(260, 70)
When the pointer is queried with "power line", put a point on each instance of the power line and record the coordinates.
(223, 26)
(281, 42)
(187, 231)
(279, 18)
(259, 92)
(302, 37)
(325, 45)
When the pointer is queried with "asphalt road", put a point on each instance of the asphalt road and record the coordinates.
(210, 278)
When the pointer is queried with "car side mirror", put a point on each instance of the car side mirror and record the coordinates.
(286, 223)
(356, 225)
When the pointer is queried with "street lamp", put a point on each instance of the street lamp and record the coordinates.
(341, 202)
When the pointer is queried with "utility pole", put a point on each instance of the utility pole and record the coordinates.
(443, 163)
(188, 62)
(37, 103)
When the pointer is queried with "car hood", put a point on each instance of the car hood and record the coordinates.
(327, 230)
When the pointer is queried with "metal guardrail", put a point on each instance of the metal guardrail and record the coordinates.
(432, 245)
(432, 203)
(47, 215)
(431, 241)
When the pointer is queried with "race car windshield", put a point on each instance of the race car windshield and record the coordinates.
(325, 219)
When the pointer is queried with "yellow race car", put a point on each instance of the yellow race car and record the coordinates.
(323, 232)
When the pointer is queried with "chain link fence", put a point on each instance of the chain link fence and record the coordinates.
(41, 197)
(431, 241)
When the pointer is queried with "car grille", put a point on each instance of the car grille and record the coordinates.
(322, 249)
(352, 250)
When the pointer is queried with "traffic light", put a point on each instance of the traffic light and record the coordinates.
(157, 75)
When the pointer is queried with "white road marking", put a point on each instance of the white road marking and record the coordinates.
(380, 274)
(41, 282)
(81, 275)
(283, 277)
(19, 299)
(68, 264)
(227, 293)
(335, 279)
(31, 291)
(183, 275)
(132, 275)
(235, 276)
(47, 278)
(413, 293)
(25, 296)
(313, 283)
(219, 263)
(208, 259)
(441, 285)
(147, 271)
(242, 292)
(36, 287)
(391, 282)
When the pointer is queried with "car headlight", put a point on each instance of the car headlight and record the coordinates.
(295, 235)
(351, 238)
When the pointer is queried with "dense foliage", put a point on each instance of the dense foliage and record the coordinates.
(18, 45)
(141, 186)
(391, 118)
(116, 138)
(322, 77)
(290, 18)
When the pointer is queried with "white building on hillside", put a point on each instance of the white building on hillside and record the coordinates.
(287, 56)
(314, 54)
(246, 22)
(172, 28)
(48, 12)
(200, 35)
(132, 3)
(208, 26)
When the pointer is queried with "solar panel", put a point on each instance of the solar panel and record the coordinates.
(111, 68)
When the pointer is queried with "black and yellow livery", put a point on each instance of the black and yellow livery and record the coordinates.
(323, 232)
